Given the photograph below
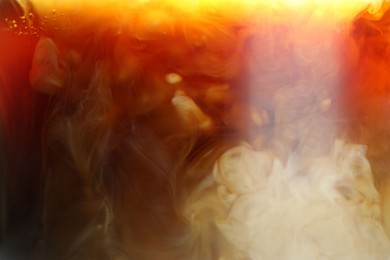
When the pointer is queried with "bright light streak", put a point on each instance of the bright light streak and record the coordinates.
(339, 9)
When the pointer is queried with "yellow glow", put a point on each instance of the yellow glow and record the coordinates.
(332, 9)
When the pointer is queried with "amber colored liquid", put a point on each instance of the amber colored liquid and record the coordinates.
(108, 132)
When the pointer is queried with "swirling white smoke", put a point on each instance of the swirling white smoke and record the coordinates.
(209, 129)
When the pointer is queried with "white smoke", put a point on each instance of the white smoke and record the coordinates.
(204, 130)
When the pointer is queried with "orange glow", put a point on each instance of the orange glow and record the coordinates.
(200, 129)
(331, 9)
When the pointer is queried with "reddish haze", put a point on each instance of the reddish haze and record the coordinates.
(153, 133)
